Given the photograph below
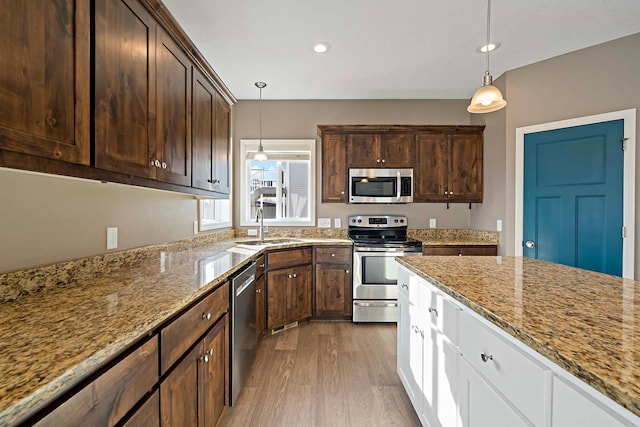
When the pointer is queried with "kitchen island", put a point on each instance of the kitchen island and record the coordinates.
(573, 329)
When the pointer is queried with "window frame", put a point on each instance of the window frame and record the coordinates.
(207, 225)
(275, 145)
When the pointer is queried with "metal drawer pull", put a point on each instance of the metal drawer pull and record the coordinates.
(433, 310)
(206, 316)
(486, 357)
(375, 304)
(346, 271)
(333, 254)
(205, 358)
(209, 352)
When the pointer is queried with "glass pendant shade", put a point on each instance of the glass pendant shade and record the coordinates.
(487, 98)
(260, 155)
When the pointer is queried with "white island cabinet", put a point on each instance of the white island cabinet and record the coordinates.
(461, 370)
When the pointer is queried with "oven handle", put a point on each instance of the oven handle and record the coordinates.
(375, 304)
(390, 251)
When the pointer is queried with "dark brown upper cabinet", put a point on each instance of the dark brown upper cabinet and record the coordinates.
(380, 150)
(334, 169)
(45, 79)
(211, 142)
(142, 96)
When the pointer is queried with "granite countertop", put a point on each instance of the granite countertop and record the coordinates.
(50, 340)
(588, 323)
(455, 237)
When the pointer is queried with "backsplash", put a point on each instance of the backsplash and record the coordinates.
(436, 236)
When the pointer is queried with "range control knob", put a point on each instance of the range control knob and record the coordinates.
(353, 220)
(359, 221)
(395, 220)
(402, 220)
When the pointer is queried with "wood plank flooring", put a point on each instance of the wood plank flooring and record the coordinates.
(325, 374)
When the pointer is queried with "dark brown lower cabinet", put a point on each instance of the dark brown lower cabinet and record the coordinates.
(107, 399)
(148, 415)
(194, 392)
(333, 286)
(288, 295)
(486, 250)
(261, 308)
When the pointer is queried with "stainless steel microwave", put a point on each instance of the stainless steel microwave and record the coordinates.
(380, 185)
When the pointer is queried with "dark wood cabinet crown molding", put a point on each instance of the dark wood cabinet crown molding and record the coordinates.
(331, 129)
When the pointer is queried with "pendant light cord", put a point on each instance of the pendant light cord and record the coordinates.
(488, 34)
(260, 104)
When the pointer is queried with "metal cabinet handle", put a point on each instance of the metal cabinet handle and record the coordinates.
(258, 291)
(377, 160)
(486, 357)
(205, 358)
(261, 265)
(530, 244)
(446, 192)
(342, 192)
(382, 160)
(164, 165)
(206, 316)
(433, 310)
(209, 352)
(346, 271)
(333, 255)
(450, 192)
(295, 275)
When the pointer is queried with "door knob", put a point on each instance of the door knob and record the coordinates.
(530, 244)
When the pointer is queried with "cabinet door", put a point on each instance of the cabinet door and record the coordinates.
(405, 332)
(173, 122)
(430, 179)
(465, 168)
(334, 169)
(202, 116)
(44, 79)
(277, 282)
(481, 405)
(212, 395)
(418, 361)
(125, 36)
(363, 151)
(179, 392)
(221, 146)
(299, 294)
(148, 415)
(397, 150)
(261, 314)
(333, 291)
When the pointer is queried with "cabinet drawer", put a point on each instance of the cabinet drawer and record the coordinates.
(460, 250)
(334, 255)
(107, 399)
(288, 258)
(179, 335)
(260, 265)
(516, 375)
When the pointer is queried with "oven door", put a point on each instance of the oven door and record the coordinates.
(375, 273)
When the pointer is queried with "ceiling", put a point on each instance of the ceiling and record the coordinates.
(383, 49)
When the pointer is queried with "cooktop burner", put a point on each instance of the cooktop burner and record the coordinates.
(380, 231)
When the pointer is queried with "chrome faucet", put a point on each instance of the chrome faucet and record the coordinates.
(260, 216)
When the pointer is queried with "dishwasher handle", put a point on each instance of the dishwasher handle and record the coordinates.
(246, 284)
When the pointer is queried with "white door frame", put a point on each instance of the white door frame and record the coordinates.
(629, 196)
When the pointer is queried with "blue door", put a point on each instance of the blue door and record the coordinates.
(573, 192)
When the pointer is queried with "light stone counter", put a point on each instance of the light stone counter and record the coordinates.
(588, 323)
(52, 339)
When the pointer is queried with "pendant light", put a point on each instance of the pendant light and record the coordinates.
(488, 98)
(260, 155)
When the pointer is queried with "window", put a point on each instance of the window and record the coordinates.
(214, 213)
(283, 186)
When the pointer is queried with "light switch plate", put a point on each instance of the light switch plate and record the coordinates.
(324, 222)
(432, 223)
(252, 232)
(112, 238)
(337, 223)
(499, 225)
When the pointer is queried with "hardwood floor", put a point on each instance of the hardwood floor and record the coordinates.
(325, 374)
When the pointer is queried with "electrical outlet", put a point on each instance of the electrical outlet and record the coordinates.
(252, 232)
(112, 238)
(432, 223)
(195, 227)
(337, 223)
(499, 225)
(324, 222)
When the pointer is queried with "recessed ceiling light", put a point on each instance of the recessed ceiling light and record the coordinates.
(321, 47)
(492, 46)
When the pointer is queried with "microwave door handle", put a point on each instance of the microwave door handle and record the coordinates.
(399, 184)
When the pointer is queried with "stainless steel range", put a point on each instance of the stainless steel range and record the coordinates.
(377, 240)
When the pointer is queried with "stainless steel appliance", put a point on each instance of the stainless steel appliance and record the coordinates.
(380, 185)
(243, 328)
(377, 240)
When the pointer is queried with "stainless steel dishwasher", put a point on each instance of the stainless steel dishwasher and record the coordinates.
(243, 328)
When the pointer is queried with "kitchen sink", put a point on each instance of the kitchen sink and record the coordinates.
(267, 242)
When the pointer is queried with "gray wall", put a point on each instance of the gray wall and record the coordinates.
(47, 219)
(599, 79)
(299, 119)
